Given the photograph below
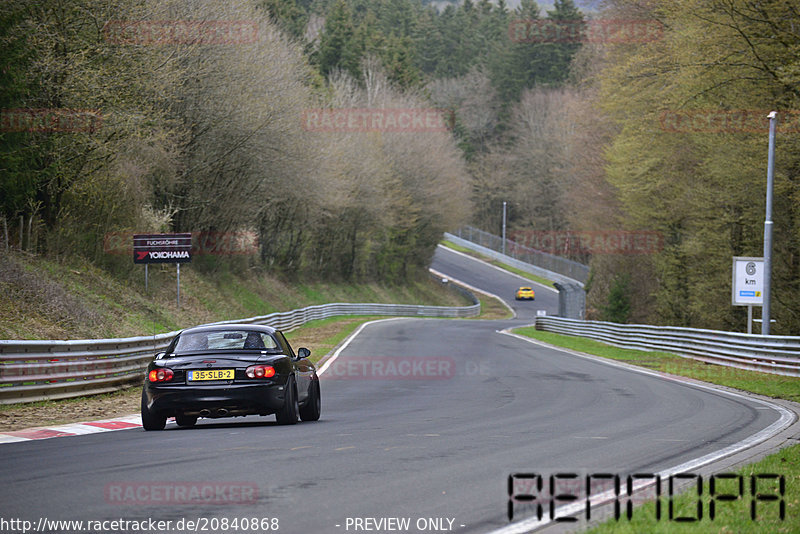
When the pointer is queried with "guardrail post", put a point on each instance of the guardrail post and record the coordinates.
(41, 370)
(778, 355)
(564, 267)
(571, 301)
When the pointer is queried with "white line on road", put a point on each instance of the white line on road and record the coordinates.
(786, 418)
(349, 340)
(473, 288)
(528, 280)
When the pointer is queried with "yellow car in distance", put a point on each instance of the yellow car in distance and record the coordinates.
(525, 293)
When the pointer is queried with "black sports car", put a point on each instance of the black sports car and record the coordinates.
(227, 371)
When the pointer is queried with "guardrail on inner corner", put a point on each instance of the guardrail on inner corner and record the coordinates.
(41, 370)
(772, 354)
(571, 294)
(551, 266)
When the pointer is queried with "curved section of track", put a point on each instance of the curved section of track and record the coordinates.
(431, 431)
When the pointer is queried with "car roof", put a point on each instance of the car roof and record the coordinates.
(526, 287)
(231, 326)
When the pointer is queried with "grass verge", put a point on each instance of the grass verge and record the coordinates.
(733, 516)
(325, 335)
(730, 516)
(493, 309)
(74, 299)
(320, 336)
(776, 386)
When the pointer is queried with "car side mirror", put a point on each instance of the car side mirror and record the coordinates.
(303, 352)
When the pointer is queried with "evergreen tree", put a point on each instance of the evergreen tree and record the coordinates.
(429, 41)
(531, 59)
(618, 307)
(513, 66)
(338, 46)
(18, 150)
(291, 17)
(397, 57)
(699, 182)
(559, 55)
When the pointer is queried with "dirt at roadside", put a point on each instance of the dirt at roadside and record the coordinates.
(120, 403)
(127, 402)
(321, 339)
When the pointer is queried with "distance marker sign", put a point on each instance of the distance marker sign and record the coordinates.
(162, 248)
(748, 281)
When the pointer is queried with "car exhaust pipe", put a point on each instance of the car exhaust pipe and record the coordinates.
(205, 412)
(222, 412)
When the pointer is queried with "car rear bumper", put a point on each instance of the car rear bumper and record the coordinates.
(223, 401)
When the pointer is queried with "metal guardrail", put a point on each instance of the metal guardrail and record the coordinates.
(571, 295)
(40, 370)
(571, 301)
(772, 354)
(566, 270)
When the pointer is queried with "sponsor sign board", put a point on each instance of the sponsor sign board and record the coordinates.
(748, 281)
(162, 248)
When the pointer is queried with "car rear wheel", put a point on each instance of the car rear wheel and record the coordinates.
(186, 420)
(150, 420)
(311, 411)
(288, 413)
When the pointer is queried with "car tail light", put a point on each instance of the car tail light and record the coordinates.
(160, 375)
(260, 371)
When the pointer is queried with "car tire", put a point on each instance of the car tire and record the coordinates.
(150, 420)
(289, 412)
(185, 421)
(311, 411)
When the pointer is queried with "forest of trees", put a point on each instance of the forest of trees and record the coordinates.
(199, 136)
(701, 186)
(571, 133)
(597, 155)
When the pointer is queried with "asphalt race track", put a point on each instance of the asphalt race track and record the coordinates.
(422, 420)
(497, 282)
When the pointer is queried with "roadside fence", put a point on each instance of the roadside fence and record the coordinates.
(45, 370)
(553, 267)
(771, 354)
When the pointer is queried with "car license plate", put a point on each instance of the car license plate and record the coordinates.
(211, 374)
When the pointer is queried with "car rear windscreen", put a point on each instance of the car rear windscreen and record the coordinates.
(225, 340)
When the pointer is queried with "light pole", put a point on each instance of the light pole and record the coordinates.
(765, 310)
(504, 228)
